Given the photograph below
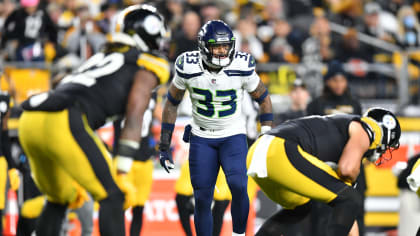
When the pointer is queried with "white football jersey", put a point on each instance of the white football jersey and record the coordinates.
(216, 97)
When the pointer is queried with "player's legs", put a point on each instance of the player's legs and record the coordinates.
(222, 198)
(141, 175)
(204, 167)
(50, 178)
(183, 198)
(232, 155)
(66, 139)
(3, 179)
(289, 168)
(280, 222)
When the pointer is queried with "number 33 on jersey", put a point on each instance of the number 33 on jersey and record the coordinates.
(216, 97)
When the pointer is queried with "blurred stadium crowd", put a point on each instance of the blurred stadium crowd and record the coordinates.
(368, 36)
(374, 42)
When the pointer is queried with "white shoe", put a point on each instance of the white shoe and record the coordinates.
(235, 234)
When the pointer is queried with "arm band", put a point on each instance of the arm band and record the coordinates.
(126, 151)
(172, 99)
(166, 136)
(127, 148)
(262, 97)
(266, 117)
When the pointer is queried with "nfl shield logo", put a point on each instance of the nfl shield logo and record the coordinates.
(213, 81)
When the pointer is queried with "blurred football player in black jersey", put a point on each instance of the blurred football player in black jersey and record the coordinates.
(56, 129)
(141, 174)
(318, 158)
(7, 164)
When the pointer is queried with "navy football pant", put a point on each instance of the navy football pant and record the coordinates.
(206, 156)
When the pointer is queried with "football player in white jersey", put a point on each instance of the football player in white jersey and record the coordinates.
(216, 76)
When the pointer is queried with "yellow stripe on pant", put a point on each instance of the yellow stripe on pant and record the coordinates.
(286, 183)
(62, 148)
(3, 180)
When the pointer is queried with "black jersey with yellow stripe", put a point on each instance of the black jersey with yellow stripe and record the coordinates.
(5, 103)
(321, 136)
(101, 85)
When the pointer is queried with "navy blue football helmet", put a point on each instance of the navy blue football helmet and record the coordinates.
(216, 33)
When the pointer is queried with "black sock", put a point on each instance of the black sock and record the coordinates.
(137, 221)
(1, 221)
(51, 219)
(279, 223)
(183, 203)
(111, 215)
(345, 209)
(219, 209)
(26, 226)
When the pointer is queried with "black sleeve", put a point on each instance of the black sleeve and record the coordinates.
(8, 32)
(50, 28)
(357, 108)
(311, 109)
(5, 148)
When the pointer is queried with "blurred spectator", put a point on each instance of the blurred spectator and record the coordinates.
(315, 50)
(83, 38)
(186, 39)
(6, 7)
(336, 97)
(351, 48)
(210, 11)
(409, 201)
(346, 12)
(26, 32)
(299, 98)
(409, 28)
(392, 6)
(246, 39)
(379, 23)
(280, 50)
(174, 13)
(106, 18)
(318, 47)
(274, 10)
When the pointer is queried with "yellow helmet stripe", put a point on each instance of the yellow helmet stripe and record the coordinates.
(377, 130)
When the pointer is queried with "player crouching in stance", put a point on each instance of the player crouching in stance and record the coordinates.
(56, 129)
(216, 77)
(318, 158)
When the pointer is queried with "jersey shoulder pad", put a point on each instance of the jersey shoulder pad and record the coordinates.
(156, 64)
(243, 64)
(187, 65)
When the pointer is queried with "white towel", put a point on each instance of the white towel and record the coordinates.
(258, 166)
(413, 180)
